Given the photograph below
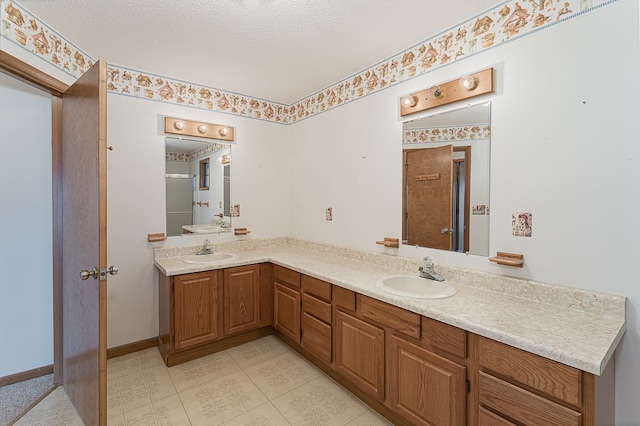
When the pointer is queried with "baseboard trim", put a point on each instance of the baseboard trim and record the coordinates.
(130, 348)
(26, 375)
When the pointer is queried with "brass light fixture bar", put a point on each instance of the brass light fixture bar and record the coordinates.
(178, 126)
(466, 87)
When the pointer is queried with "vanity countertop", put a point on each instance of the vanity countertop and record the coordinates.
(575, 327)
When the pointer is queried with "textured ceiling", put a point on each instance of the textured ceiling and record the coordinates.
(279, 50)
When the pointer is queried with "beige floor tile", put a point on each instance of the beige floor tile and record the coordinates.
(369, 418)
(166, 412)
(130, 363)
(224, 398)
(258, 351)
(55, 410)
(264, 415)
(279, 375)
(202, 370)
(319, 402)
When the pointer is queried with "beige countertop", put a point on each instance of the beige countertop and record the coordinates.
(575, 327)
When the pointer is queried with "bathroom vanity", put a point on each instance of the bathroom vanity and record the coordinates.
(483, 356)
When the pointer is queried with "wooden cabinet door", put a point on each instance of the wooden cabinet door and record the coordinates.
(197, 310)
(241, 299)
(286, 311)
(425, 388)
(359, 354)
(316, 337)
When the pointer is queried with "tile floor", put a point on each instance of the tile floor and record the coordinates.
(259, 383)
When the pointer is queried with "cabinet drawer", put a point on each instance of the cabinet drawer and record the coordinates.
(397, 318)
(317, 308)
(316, 337)
(488, 418)
(345, 299)
(549, 377)
(444, 337)
(523, 406)
(286, 276)
(320, 289)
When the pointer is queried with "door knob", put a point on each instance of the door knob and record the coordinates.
(113, 270)
(446, 230)
(84, 274)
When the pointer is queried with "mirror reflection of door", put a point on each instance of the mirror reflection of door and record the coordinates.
(428, 175)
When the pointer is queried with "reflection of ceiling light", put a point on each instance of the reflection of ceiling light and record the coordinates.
(409, 101)
(468, 82)
(202, 128)
(179, 125)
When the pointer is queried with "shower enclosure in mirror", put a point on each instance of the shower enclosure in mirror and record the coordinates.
(197, 186)
(445, 175)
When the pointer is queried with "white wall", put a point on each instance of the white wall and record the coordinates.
(26, 303)
(564, 147)
(136, 200)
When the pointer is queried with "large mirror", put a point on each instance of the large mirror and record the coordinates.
(198, 181)
(445, 175)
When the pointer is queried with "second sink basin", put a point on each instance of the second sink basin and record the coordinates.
(415, 287)
(208, 258)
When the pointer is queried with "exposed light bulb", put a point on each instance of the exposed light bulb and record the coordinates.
(223, 131)
(202, 128)
(435, 91)
(179, 125)
(409, 101)
(468, 82)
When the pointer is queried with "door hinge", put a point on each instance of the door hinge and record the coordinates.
(468, 387)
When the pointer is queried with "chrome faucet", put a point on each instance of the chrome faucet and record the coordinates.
(427, 270)
(206, 248)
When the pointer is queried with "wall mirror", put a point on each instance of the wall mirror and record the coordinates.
(198, 181)
(445, 178)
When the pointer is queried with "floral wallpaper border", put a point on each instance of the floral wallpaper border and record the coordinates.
(503, 23)
(145, 85)
(446, 134)
(23, 28)
(194, 155)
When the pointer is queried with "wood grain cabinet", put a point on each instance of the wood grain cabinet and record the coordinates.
(359, 352)
(241, 299)
(286, 302)
(198, 313)
(316, 318)
(425, 388)
(517, 387)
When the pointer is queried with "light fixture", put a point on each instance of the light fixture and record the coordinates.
(468, 82)
(468, 86)
(435, 92)
(179, 126)
(409, 101)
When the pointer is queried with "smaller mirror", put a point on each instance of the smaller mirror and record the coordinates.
(198, 182)
(445, 193)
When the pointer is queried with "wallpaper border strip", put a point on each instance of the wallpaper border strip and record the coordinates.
(503, 23)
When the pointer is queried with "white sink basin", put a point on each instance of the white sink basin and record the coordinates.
(208, 258)
(415, 287)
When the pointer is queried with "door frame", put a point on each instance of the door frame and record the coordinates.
(36, 78)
